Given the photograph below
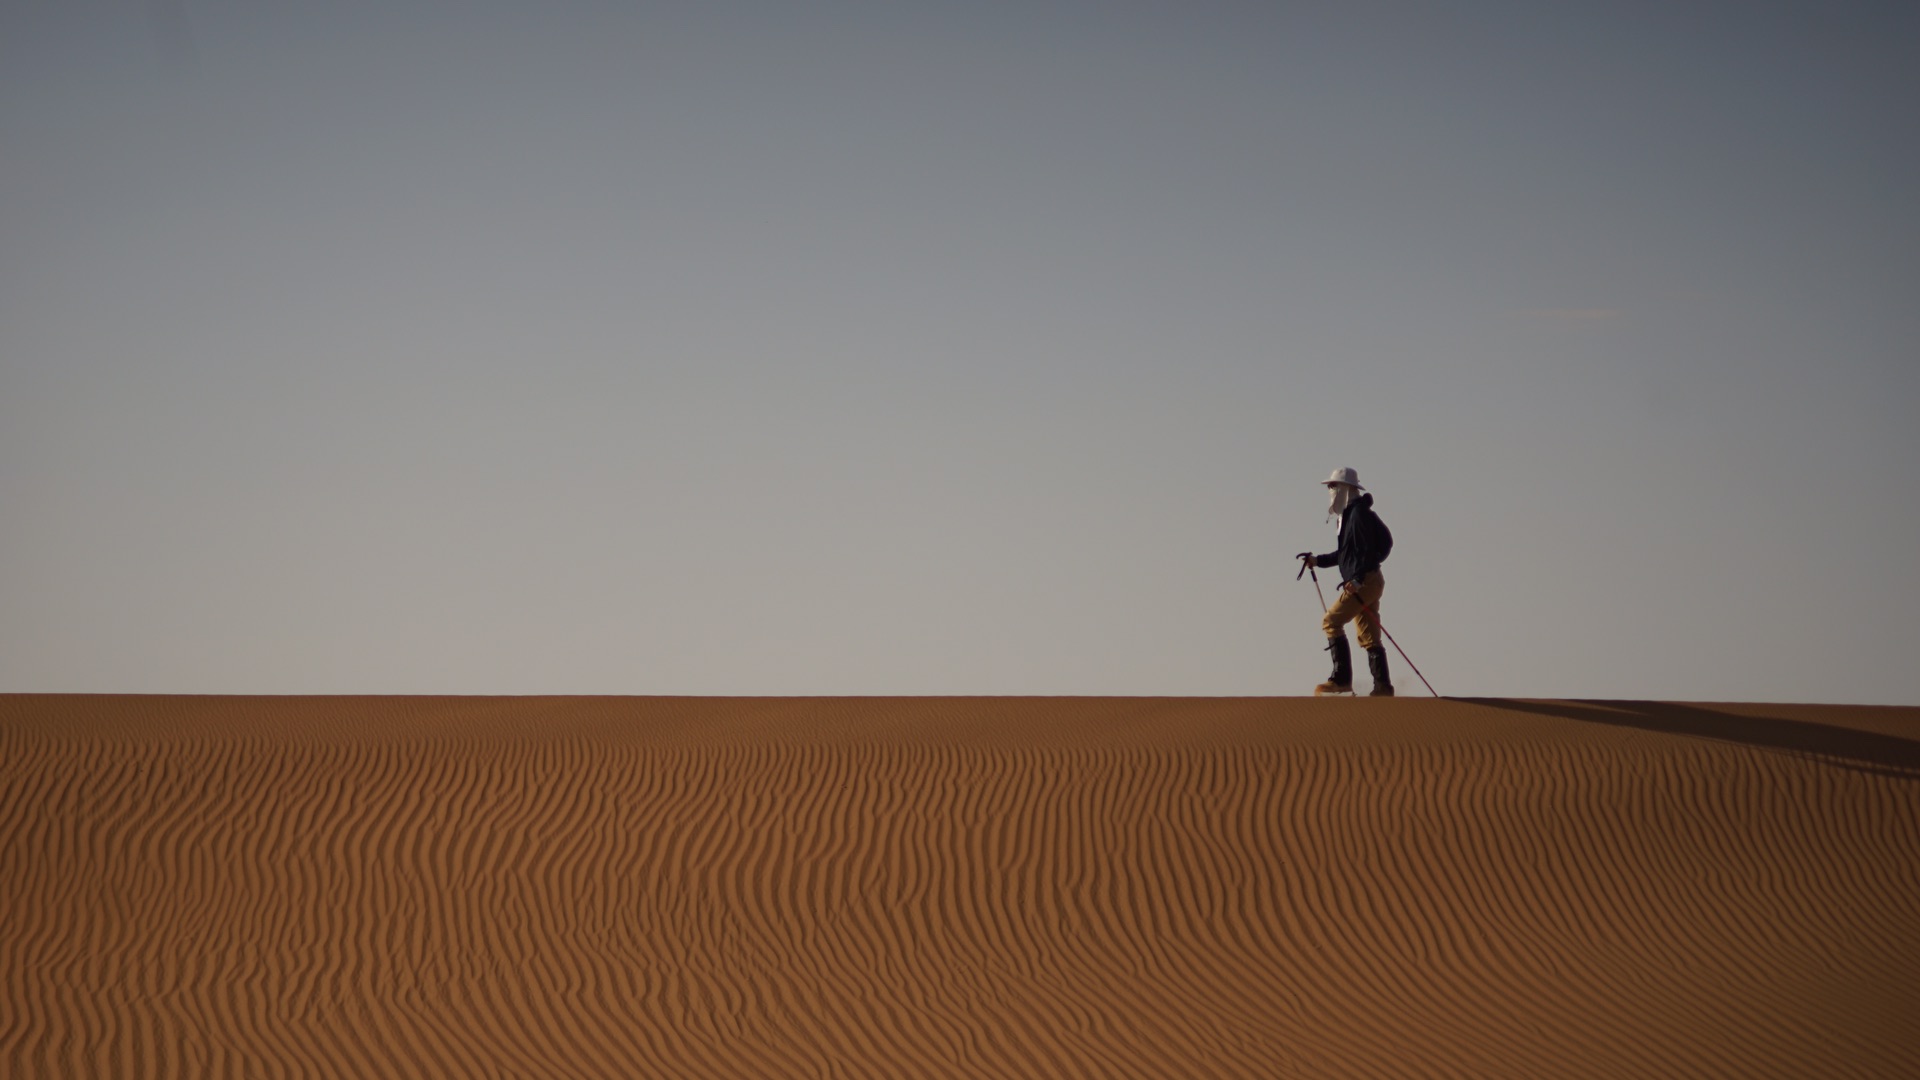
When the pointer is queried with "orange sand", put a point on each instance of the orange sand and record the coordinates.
(991, 887)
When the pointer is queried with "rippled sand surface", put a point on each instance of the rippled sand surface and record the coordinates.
(985, 887)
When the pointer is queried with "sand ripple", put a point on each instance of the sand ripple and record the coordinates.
(213, 887)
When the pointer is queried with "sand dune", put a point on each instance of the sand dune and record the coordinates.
(991, 887)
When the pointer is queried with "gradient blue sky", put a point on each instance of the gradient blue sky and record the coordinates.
(955, 348)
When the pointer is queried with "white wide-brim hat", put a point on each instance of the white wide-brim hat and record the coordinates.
(1344, 476)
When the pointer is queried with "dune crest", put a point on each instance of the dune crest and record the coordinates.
(214, 886)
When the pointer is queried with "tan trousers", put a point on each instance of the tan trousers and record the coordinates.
(1346, 609)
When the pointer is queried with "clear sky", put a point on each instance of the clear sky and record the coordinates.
(979, 348)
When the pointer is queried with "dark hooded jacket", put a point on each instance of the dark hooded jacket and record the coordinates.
(1364, 542)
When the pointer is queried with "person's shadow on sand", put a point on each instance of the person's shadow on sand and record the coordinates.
(1868, 751)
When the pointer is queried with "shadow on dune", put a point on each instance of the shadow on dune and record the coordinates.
(1885, 755)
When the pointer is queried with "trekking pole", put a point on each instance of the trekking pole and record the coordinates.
(1396, 645)
(1307, 568)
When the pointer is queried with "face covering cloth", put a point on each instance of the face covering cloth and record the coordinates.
(1338, 495)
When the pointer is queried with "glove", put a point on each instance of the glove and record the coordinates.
(1307, 555)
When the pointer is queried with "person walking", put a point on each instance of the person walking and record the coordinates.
(1363, 544)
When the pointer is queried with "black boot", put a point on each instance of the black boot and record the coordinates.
(1341, 681)
(1377, 666)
